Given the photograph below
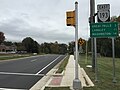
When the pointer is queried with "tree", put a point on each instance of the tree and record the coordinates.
(20, 46)
(30, 45)
(71, 47)
(2, 37)
(63, 48)
(118, 19)
(36, 47)
(53, 48)
(103, 46)
(8, 43)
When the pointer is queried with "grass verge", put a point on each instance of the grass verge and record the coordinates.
(105, 73)
(7, 57)
(63, 65)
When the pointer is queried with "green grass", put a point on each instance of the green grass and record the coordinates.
(63, 65)
(12, 56)
(57, 88)
(105, 73)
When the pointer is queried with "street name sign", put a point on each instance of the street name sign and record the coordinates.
(103, 12)
(106, 29)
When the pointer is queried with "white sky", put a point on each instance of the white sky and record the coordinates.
(45, 20)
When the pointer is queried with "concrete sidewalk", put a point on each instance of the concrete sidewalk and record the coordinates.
(70, 74)
(66, 78)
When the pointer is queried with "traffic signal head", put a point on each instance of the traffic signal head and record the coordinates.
(70, 14)
(70, 18)
(70, 22)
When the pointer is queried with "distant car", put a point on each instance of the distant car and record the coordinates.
(34, 53)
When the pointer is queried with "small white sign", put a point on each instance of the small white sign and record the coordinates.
(103, 7)
(103, 15)
(103, 12)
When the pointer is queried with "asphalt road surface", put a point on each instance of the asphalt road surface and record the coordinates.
(24, 73)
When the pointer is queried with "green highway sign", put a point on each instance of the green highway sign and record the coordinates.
(106, 29)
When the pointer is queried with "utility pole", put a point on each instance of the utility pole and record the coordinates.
(92, 20)
(76, 81)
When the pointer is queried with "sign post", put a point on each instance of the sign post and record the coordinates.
(72, 20)
(76, 81)
(108, 29)
(113, 52)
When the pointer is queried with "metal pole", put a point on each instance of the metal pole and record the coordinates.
(96, 68)
(76, 39)
(76, 81)
(86, 52)
(93, 41)
(92, 20)
(113, 52)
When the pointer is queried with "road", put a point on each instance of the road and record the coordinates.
(24, 73)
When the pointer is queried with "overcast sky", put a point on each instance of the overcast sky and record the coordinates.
(45, 20)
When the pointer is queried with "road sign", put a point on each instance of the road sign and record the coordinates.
(106, 29)
(101, 7)
(81, 41)
(103, 12)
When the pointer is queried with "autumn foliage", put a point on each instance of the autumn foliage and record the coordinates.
(2, 37)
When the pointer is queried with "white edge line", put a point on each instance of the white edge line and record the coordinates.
(26, 74)
(11, 89)
(47, 65)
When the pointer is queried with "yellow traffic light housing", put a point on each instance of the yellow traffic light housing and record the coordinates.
(70, 22)
(70, 18)
(70, 14)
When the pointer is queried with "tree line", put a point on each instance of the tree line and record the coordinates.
(31, 46)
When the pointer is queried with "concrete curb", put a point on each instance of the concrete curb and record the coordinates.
(42, 83)
(68, 76)
(90, 83)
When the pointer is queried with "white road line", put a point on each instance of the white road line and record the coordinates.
(11, 89)
(47, 65)
(33, 60)
(24, 74)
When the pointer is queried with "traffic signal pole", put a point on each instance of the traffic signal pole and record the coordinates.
(93, 41)
(92, 20)
(76, 81)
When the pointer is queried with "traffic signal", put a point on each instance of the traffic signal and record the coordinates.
(70, 18)
(81, 41)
